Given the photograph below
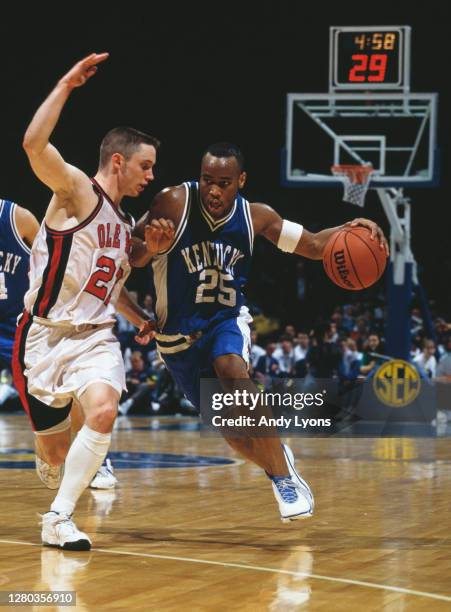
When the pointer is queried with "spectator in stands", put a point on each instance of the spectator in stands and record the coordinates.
(443, 370)
(378, 313)
(256, 350)
(361, 328)
(9, 398)
(290, 331)
(369, 361)
(267, 366)
(301, 346)
(141, 384)
(347, 321)
(285, 357)
(148, 304)
(426, 361)
(337, 318)
(333, 332)
(415, 348)
(442, 332)
(443, 383)
(350, 360)
(323, 358)
(167, 394)
(348, 375)
(151, 349)
(125, 332)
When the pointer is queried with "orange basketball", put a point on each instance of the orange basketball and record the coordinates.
(352, 260)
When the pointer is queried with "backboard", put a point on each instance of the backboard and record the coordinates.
(394, 132)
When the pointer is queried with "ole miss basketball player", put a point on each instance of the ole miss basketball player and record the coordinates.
(18, 228)
(65, 347)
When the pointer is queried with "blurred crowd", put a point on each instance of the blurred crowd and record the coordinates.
(347, 347)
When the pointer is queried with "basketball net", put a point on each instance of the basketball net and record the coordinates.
(355, 179)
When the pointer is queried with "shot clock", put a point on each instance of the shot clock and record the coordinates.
(370, 57)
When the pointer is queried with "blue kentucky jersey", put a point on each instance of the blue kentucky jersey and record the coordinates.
(14, 265)
(199, 280)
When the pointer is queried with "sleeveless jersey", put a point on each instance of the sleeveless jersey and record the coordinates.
(198, 281)
(14, 264)
(76, 275)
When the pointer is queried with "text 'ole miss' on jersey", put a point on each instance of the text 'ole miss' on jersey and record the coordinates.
(76, 275)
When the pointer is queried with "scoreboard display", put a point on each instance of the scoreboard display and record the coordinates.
(370, 57)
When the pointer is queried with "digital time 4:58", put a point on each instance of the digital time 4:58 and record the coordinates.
(368, 58)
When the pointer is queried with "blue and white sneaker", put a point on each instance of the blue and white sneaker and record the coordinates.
(294, 503)
(289, 458)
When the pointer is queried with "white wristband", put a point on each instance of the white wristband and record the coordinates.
(289, 236)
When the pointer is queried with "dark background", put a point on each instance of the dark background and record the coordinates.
(193, 74)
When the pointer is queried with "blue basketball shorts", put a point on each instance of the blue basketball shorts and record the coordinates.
(188, 366)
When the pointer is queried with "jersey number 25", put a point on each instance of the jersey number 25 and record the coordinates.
(213, 288)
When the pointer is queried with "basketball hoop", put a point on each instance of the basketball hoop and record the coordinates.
(355, 179)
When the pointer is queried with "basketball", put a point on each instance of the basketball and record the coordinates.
(352, 260)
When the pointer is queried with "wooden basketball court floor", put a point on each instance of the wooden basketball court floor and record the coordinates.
(204, 534)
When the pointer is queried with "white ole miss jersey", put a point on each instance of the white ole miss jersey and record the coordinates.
(76, 275)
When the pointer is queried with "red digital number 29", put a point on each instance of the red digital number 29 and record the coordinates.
(377, 65)
(103, 275)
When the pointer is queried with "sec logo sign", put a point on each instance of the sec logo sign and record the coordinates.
(396, 383)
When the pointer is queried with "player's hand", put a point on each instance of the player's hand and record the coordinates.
(147, 332)
(83, 70)
(159, 235)
(376, 232)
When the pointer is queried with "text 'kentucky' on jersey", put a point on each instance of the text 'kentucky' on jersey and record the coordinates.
(14, 263)
(198, 281)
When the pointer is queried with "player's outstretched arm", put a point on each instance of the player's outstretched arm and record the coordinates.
(47, 163)
(26, 223)
(293, 238)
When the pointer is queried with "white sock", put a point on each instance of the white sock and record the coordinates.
(85, 456)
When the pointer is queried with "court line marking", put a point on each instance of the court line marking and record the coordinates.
(258, 568)
(231, 461)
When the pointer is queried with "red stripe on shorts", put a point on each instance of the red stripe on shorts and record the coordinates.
(50, 281)
(20, 382)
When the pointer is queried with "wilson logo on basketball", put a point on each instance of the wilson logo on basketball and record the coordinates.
(342, 268)
(352, 260)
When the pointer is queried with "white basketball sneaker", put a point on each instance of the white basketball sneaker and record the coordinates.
(289, 458)
(58, 529)
(293, 500)
(51, 475)
(105, 478)
(292, 493)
